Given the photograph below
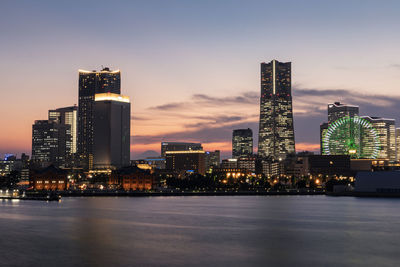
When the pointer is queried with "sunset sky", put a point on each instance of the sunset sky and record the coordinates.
(192, 68)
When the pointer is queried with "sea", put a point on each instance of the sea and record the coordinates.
(201, 231)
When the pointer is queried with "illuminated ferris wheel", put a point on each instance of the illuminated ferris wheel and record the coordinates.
(352, 136)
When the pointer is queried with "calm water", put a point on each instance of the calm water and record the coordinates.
(201, 231)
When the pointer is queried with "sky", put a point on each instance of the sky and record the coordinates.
(192, 68)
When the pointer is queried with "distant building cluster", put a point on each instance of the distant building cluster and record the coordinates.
(88, 146)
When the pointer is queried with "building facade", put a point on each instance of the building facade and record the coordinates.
(179, 146)
(337, 111)
(90, 84)
(398, 144)
(189, 161)
(276, 131)
(111, 125)
(49, 143)
(386, 131)
(212, 159)
(68, 116)
(242, 143)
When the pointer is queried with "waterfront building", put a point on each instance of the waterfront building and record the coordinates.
(212, 159)
(179, 146)
(49, 143)
(111, 125)
(188, 161)
(242, 143)
(276, 131)
(49, 178)
(132, 178)
(90, 84)
(398, 144)
(386, 131)
(248, 163)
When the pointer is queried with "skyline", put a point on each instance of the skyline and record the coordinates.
(330, 63)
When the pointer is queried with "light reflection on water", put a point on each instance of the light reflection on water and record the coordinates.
(201, 231)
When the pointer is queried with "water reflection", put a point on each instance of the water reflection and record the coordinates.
(201, 231)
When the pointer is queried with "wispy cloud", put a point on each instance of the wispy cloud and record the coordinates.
(211, 119)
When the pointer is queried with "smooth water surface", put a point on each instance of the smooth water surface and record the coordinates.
(201, 231)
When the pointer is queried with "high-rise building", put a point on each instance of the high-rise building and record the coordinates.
(338, 110)
(398, 144)
(91, 83)
(242, 143)
(276, 132)
(179, 146)
(49, 143)
(386, 131)
(111, 125)
(68, 116)
(188, 160)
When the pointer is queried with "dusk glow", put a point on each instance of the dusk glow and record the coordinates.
(191, 69)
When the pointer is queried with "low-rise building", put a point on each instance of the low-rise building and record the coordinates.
(132, 178)
(49, 178)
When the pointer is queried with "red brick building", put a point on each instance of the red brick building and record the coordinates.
(50, 178)
(133, 178)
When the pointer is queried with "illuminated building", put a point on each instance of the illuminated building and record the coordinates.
(322, 130)
(336, 111)
(229, 163)
(132, 178)
(90, 84)
(354, 136)
(179, 146)
(111, 125)
(49, 143)
(398, 144)
(68, 116)
(242, 143)
(386, 131)
(212, 159)
(248, 163)
(276, 132)
(49, 178)
(188, 160)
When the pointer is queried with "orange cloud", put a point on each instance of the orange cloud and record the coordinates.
(307, 147)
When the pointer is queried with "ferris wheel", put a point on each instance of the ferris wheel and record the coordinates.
(352, 136)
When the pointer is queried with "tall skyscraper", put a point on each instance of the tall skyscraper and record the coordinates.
(48, 143)
(179, 146)
(91, 83)
(242, 143)
(386, 131)
(276, 132)
(68, 116)
(111, 139)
